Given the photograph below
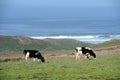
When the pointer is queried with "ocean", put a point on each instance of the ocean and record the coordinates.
(87, 30)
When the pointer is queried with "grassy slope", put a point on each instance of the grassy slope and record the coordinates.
(65, 43)
(115, 42)
(17, 43)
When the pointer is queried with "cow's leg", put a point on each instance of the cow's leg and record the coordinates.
(87, 56)
(27, 55)
(78, 54)
(34, 59)
(38, 60)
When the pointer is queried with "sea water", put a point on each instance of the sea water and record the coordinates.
(93, 31)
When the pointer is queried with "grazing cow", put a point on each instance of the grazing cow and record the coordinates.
(33, 54)
(85, 51)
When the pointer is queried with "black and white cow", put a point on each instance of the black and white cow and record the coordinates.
(84, 51)
(33, 54)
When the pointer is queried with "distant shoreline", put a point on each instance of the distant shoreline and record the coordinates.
(95, 39)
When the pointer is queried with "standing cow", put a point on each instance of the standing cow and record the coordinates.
(86, 51)
(33, 54)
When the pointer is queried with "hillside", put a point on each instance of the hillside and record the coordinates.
(18, 43)
(114, 42)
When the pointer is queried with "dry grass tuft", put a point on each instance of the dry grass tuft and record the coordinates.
(11, 59)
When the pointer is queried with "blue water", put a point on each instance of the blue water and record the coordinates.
(94, 31)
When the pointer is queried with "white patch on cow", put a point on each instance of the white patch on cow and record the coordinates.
(27, 55)
(36, 53)
(79, 48)
(88, 48)
(34, 59)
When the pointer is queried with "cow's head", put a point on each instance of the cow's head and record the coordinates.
(92, 54)
(39, 56)
(42, 59)
(25, 51)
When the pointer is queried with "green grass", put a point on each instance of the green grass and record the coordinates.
(62, 69)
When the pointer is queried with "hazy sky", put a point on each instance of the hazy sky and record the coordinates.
(59, 8)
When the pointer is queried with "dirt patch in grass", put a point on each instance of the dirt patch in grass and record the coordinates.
(113, 79)
(11, 59)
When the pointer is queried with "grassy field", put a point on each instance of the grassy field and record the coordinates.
(64, 67)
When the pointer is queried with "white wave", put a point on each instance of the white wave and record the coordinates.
(63, 37)
(84, 38)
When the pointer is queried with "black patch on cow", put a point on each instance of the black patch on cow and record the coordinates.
(92, 53)
(84, 51)
(39, 56)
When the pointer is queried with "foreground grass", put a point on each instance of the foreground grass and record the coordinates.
(62, 68)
